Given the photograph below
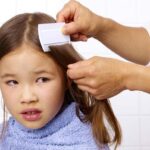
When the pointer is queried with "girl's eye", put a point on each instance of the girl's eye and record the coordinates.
(42, 80)
(11, 82)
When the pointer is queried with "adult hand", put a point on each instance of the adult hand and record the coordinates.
(101, 77)
(80, 21)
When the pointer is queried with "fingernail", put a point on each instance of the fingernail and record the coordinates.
(63, 30)
(70, 65)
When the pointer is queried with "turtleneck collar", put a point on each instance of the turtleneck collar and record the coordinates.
(59, 121)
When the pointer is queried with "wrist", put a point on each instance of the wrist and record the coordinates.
(101, 26)
(134, 78)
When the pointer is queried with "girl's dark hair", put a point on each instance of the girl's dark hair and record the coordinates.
(22, 29)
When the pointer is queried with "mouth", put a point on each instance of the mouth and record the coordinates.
(31, 114)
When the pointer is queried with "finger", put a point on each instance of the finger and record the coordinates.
(70, 28)
(64, 15)
(83, 37)
(86, 81)
(101, 96)
(82, 81)
(79, 37)
(78, 70)
(79, 64)
(90, 91)
(60, 17)
(84, 88)
(76, 74)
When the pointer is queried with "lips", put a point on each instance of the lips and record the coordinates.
(31, 114)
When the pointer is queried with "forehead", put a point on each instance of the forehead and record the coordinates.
(29, 59)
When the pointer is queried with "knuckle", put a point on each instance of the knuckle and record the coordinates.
(99, 97)
(91, 70)
(67, 4)
(93, 84)
(70, 3)
(95, 58)
(81, 88)
(94, 92)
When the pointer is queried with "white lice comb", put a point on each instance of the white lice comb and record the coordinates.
(51, 34)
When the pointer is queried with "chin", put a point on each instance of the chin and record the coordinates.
(33, 126)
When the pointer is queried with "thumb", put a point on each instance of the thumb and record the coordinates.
(70, 28)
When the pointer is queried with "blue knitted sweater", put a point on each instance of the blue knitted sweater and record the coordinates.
(64, 132)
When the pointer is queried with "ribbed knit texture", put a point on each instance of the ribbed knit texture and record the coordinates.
(64, 132)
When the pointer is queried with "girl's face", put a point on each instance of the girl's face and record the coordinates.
(32, 86)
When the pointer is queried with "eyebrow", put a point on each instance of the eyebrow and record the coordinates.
(42, 72)
(6, 75)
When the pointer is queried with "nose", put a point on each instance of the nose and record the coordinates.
(28, 95)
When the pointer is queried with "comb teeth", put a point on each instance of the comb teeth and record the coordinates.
(50, 34)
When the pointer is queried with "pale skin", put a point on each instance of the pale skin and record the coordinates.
(105, 77)
(30, 79)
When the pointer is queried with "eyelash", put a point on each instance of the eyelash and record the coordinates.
(10, 82)
(14, 82)
(44, 79)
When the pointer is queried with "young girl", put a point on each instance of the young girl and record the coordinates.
(43, 102)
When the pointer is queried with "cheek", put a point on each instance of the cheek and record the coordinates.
(9, 101)
(53, 92)
(7, 95)
(52, 98)
(10, 98)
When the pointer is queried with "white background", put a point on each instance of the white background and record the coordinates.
(131, 108)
